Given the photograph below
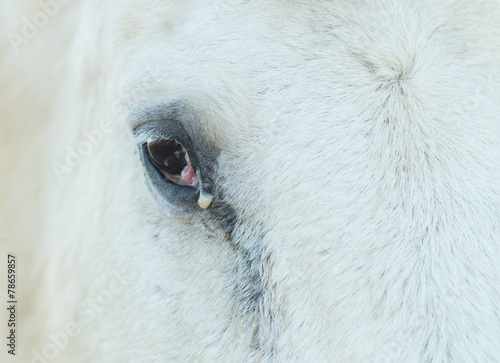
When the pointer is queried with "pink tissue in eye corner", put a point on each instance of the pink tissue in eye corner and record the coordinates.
(188, 175)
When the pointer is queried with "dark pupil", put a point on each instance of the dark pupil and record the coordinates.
(168, 155)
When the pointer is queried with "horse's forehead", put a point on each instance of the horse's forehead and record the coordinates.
(239, 58)
(264, 61)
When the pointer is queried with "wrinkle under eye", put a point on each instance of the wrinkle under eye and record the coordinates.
(172, 160)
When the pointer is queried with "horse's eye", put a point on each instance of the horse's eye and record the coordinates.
(172, 161)
(177, 170)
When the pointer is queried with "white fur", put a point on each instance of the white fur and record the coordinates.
(360, 149)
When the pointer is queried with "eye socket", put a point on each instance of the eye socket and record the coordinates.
(172, 160)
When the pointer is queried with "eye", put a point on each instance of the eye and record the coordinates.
(171, 159)
(178, 171)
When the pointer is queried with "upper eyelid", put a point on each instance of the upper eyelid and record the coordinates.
(166, 129)
(142, 136)
(174, 120)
